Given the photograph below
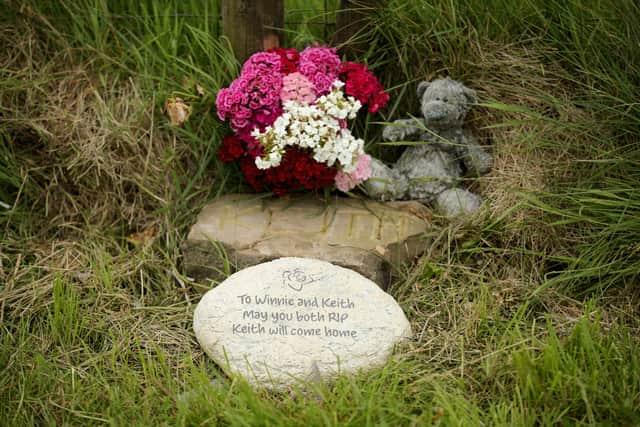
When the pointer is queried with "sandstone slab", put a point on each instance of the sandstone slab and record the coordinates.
(298, 319)
(363, 235)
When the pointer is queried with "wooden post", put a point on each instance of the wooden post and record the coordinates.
(252, 25)
(351, 19)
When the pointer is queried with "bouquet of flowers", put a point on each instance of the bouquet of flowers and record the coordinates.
(289, 112)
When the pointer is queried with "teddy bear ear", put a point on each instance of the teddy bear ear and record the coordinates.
(422, 86)
(470, 94)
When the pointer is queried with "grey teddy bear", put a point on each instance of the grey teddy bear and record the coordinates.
(430, 171)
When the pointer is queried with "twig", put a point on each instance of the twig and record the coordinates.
(182, 285)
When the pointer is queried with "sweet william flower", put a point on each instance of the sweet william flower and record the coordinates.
(363, 85)
(296, 87)
(262, 62)
(288, 59)
(377, 102)
(321, 65)
(253, 99)
(231, 149)
(345, 181)
(304, 126)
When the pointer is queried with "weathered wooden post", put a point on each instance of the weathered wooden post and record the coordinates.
(252, 25)
(351, 19)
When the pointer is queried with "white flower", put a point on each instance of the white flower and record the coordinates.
(271, 160)
(316, 127)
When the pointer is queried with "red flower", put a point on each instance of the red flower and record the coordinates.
(363, 85)
(377, 101)
(231, 149)
(253, 175)
(297, 171)
(289, 59)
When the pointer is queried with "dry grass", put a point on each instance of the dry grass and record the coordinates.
(93, 144)
(97, 164)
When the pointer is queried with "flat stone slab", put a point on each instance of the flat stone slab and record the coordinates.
(298, 319)
(363, 235)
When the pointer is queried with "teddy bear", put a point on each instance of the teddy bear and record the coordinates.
(430, 170)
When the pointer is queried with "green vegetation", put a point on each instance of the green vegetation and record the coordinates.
(527, 316)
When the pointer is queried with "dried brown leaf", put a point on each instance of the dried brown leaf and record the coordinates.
(144, 237)
(177, 111)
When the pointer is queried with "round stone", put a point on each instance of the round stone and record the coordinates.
(298, 319)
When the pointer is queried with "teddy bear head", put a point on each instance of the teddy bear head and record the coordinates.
(444, 103)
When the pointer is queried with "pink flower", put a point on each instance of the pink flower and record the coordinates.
(253, 99)
(239, 122)
(223, 102)
(321, 65)
(262, 62)
(265, 117)
(297, 87)
(345, 182)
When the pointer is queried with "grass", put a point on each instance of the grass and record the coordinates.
(527, 315)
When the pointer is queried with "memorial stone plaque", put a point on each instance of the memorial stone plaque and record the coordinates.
(298, 319)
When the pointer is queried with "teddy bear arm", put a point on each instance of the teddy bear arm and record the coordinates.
(401, 130)
(477, 160)
(385, 183)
